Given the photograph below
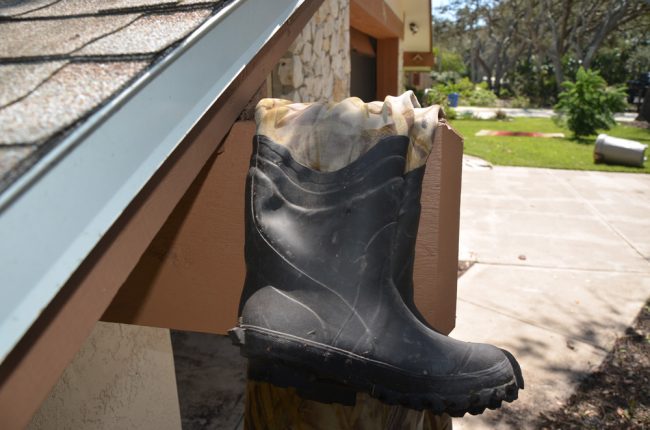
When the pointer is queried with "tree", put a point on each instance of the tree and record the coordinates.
(579, 27)
(495, 37)
(490, 36)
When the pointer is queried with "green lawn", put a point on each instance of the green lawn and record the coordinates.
(558, 153)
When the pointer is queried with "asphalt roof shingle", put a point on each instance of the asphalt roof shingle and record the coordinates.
(150, 33)
(41, 39)
(62, 99)
(62, 59)
(24, 78)
(85, 7)
(20, 7)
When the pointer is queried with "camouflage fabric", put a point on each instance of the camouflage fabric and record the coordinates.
(329, 136)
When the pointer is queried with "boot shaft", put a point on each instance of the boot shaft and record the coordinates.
(336, 228)
(403, 258)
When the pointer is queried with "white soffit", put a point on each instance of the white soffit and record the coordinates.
(397, 7)
(55, 214)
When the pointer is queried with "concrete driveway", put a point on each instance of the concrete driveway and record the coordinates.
(563, 267)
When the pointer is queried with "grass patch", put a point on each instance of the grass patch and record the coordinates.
(556, 153)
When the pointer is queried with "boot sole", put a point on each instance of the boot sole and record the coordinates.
(321, 373)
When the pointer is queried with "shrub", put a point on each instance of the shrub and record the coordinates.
(445, 77)
(505, 92)
(587, 105)
(450, 113)
(500, 115)
(437, 95)
(471, 94)
(520, 102)
(480, 96)
(464, 87)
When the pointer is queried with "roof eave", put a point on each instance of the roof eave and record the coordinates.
(53, 216)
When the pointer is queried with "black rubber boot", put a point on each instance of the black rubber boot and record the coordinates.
(319, 308)
(408, 221)
(404, 252)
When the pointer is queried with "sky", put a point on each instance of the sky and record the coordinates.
(438, 3)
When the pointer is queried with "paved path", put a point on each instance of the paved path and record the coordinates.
(563, 266)
(489, 112)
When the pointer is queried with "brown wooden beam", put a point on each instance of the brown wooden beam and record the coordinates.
(419, 59)
(387, 67)
(360, 42)
(35, 364)
(376, 18)
(430, 22)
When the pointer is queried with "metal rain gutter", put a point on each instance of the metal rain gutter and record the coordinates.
(55, 214)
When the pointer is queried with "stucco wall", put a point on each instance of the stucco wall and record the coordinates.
(317, 65)
(122, 378)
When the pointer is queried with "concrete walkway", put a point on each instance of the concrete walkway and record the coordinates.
(563, 267)
(489, 112)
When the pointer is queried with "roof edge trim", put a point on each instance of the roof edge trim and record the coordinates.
(52, 218)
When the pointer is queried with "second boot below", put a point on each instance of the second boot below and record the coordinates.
(320, 306)
(403, 260)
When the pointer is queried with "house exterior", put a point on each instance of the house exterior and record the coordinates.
(359, 48)
(112, 120)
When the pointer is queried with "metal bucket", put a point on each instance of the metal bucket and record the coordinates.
(615, 150)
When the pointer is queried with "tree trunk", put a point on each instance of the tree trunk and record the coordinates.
(557, 69)
(644, 111)
(557, 45)
(612, 19)
(498, 74)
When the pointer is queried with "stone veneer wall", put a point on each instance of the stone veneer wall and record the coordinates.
(317, 65)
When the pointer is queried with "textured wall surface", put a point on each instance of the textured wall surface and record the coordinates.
(317, 65)
(122, 378)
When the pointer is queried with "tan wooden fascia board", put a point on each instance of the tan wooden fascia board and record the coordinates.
(376, 18)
